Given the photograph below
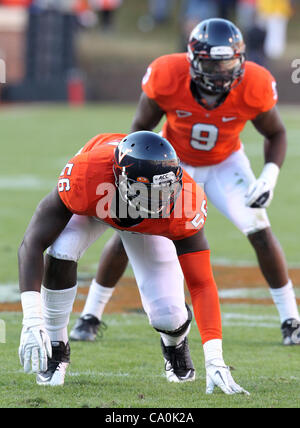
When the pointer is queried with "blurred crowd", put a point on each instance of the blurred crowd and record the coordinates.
(52, 26)
(263, 22)
(89, 12)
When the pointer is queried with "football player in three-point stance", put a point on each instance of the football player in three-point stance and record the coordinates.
(207, 97)
(134, 184)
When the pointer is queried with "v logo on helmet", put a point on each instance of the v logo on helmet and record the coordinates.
(123, 154)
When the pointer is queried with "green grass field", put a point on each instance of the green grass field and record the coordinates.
(125, 369)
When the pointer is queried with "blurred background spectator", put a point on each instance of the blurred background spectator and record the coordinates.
(227, 9)
(106, 11)
(15, 3)
(273, 16)
(160, 10)
(192, 12)
(158, 13)
(246, 14)
(254, 32)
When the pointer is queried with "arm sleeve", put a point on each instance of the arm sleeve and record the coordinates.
(200, 281)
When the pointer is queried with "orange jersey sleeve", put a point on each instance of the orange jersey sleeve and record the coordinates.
(206, 137)
(258, 90)
(79, 181)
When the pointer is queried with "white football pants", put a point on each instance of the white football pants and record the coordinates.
(154, 262)
(225, 185)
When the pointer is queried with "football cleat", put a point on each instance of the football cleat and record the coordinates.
(57, 366)
(291, 332)
(178, 364)
(87, 329)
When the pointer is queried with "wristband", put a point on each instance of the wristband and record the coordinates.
(270, 173)
(32, 308)
(213, 351)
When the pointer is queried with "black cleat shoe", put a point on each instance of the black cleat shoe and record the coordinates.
(87, 329)
(178, 364)
(57, 366)
(291, 332)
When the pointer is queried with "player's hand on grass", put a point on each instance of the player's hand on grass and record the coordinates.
(35, 348)
(35, 345)
(218, 374)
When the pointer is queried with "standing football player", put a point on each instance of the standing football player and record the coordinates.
(134, 184)
(207, 97)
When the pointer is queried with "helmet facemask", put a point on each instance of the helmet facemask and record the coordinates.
(216, 76)
(155, 200)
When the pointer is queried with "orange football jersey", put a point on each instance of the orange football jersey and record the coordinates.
(87, 187)
(200, 136)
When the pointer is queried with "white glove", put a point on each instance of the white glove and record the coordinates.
(35, 347)
(35, 344)
(218, 374)
(260, 192)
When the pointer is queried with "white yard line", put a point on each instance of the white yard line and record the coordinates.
(25, 182)
(9, 293)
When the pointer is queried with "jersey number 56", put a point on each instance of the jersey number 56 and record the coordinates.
(64, 183)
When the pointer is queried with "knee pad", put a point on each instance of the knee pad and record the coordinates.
(179, 330)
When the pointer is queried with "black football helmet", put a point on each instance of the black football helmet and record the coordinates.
(147, 173)
(216, 52)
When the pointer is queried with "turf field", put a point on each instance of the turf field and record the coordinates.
(125, 369)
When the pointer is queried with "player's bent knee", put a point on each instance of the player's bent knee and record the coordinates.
(174, 322)
(59, 274)
(257, 222)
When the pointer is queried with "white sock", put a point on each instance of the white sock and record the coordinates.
(285, 301)
(174, 341)
(56, 307)
(97, 299)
